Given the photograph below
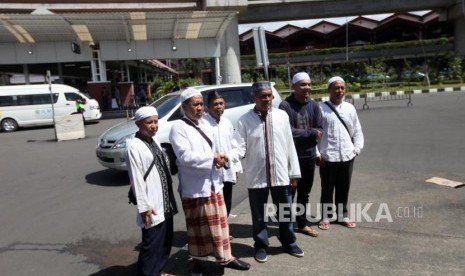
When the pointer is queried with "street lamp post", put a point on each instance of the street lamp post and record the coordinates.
(347, 40)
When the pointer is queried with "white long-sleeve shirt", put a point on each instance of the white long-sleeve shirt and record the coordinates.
(249, 139)
(149, 193)
(223, 133)
(336, 144)
(195, 157)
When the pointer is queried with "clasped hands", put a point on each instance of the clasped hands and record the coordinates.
(220, 160)
(147, 216)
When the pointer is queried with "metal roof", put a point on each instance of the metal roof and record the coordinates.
(113, 26)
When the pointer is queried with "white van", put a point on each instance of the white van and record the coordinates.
(30, 105)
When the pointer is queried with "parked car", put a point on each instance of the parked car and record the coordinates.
(351, 78)
(112, 143)
(412, 75)
(445, 72)
(377, 77)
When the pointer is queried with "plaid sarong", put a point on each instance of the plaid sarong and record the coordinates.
(207, 227)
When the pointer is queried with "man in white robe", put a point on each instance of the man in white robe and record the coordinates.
(223, 133)
(152, 186)
(263, 138)
(200, 185)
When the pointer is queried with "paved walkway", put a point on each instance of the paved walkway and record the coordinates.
(404, 147)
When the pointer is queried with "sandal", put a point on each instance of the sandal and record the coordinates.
(307, 230)
(348, 223)
(323, 225)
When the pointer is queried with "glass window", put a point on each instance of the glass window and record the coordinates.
(233, 96)
(41, 99)
(27, 99)
(247, 95)
(8, 100)
(176, 115)
(165, 104)
(24, 99)
(55, 97)
(72, 96)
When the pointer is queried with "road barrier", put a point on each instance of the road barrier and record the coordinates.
(387, 96)
(392, 96)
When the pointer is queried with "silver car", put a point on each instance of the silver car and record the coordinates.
(111, 144)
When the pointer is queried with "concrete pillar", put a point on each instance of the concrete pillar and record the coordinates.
(27, 77)
(460, 35)
(103, 70)
(230, 63)
(128, 74)
(93, 68)
(122, 68)
(98, 67)
(60, 72)
(217, 71)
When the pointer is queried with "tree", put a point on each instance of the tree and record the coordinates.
(193, 66)
(455, 65)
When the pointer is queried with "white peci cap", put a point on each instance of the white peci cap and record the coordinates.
(333, 79)
(144, 112)
(189, 93)
(299, 77)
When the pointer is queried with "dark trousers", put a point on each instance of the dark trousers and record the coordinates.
(257, 200)
(155, 249)
(335, 177)
(227, 194)
(304, 186)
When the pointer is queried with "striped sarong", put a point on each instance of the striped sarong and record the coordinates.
(207, 227)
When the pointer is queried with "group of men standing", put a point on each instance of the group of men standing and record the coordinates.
(278, 147)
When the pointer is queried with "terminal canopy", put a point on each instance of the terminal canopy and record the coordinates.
(93, 28)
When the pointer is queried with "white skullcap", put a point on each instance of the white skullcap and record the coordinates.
(189, 93)
(299, 77)
(144, 112)
(333, 79)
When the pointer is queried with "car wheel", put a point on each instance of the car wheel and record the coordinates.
(9, 125)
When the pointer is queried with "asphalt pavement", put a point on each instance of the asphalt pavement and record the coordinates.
(405, 226)
(64, 214)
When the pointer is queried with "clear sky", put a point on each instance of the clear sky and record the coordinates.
(273, 26)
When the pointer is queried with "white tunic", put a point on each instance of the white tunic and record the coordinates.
(249, 139)
(336, 144)
(195, 157)
(148, 193)
(223, 133)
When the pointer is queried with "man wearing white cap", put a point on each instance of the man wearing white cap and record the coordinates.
(263, 141)
(201, 186)
(306, 125)
(152, 185)
(342, 141)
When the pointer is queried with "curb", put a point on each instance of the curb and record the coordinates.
(372, 95)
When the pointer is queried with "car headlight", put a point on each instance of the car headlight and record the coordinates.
(121, 142)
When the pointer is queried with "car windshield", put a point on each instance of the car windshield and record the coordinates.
(165, 104)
